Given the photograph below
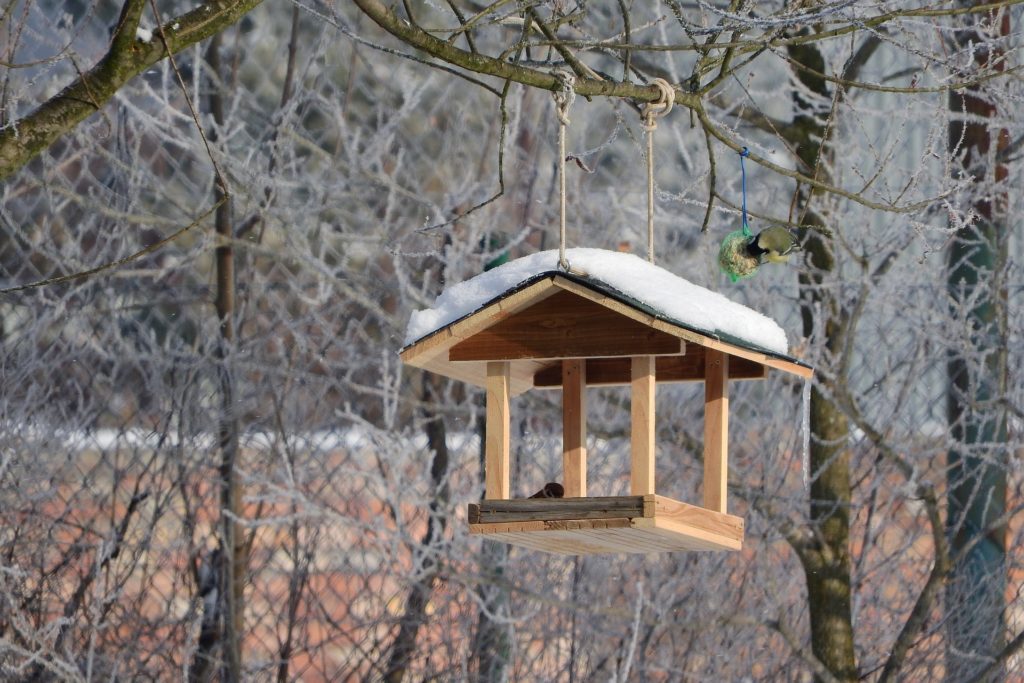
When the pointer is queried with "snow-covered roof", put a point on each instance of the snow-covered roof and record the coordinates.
(625, 276)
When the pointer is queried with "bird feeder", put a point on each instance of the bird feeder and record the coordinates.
(569, 330)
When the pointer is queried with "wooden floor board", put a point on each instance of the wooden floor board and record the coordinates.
(619, 524)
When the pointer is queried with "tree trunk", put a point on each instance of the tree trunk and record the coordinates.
(826, 562)
(976, 383)
(232, 534)
(415, 613)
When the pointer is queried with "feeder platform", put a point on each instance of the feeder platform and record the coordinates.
(618, 524)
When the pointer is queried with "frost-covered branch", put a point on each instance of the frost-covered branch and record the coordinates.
(130, 53)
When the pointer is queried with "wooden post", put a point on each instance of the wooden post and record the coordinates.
(574, 427)
(642, 414)
(496, 451)
(716, 429)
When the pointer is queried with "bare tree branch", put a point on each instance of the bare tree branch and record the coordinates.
(479, 63)
(128, 56)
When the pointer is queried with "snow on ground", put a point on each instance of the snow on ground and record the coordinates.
(670, 295)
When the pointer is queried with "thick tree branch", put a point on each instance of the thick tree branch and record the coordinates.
(127, 57)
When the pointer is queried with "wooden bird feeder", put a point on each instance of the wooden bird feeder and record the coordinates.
(570, 331)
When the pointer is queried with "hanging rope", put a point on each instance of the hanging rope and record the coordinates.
(744, 153)
(563, 103)
(651, 112)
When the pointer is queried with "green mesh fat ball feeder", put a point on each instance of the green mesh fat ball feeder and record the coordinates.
(734, 257)
(742, 251)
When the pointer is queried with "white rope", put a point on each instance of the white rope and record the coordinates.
(651, 112)
(563, 102)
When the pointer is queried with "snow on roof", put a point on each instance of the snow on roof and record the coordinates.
(666, 294)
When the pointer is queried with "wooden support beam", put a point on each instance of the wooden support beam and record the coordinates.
(496, 448)
(716, 429)
(642, 385)
(574, 427)
(615, 371)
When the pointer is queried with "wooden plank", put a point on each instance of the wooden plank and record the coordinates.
(551, 525)
(695, 538)
(541, 509)
(598, 541)
(691, 537)
(571, 543)
(616, 371)
(496, 447)
(535, 504)
(488, 517)
(574, 428)
(581, 524)
(564, 325)
(676, 512)
(642, 444)
(522, 373)
(676, 526)
(650, 540)
(716, 430)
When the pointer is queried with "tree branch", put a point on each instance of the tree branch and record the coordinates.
(1011, 649)
(813, 182)
(127, 57)
(821, 672)
(490, 66)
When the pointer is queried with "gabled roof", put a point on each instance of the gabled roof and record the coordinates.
(533, 314)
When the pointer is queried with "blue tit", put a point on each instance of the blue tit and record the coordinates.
(772, 245)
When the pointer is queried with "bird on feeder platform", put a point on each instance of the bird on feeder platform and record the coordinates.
(772, 245)
(552, 489)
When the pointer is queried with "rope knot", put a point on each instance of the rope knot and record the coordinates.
(566, 95)
(661, 107)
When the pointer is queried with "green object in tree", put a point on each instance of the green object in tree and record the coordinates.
(499, 260)
(493, 243)
(734, 258)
